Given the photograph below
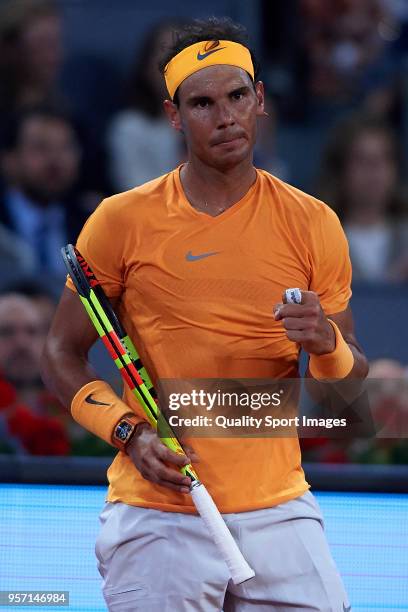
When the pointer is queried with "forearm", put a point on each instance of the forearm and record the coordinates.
(348, 387)
(93, 403)
(64, 373)
(359, 370)
(360, 367)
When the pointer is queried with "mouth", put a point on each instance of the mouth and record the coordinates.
(225, 142)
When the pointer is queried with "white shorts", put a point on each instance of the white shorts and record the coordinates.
(154, 561)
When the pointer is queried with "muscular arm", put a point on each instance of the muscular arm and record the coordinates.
(344, 321)
(308, 325)
(66, 369)
(65, 366)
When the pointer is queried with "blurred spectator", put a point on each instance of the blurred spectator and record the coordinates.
(35, 72)
(387, 401)
(361, 180)
(141, 144)
(265, 155)
(15, 254)
(388, 391)
(37, 421)
(40, 164)
(22, 336)
(30, 54)
(348, 45)
(43, 294)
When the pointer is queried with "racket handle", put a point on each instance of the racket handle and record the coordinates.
(293, 296)
(238, 567)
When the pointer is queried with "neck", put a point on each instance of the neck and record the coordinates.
(213, 190)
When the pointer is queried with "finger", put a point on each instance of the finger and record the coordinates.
(194, 458)
(159, 471)
(298, 324)
(299, 336)
(166, 454)
(299, 310)
(277, 310)
(190, 452)
(170, 485)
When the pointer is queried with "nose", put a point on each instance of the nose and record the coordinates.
(225, 117)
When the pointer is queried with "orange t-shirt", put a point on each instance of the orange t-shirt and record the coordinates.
(211, 317)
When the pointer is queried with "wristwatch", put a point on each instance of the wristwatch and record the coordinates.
(124, 430)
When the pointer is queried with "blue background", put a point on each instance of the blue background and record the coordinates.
(47, 536)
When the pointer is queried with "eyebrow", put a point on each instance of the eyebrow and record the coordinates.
(195, 99)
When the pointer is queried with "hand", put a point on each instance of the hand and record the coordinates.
(150, 456)
(307, 324)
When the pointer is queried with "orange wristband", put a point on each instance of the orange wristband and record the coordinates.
(335, 365)
(99, 410)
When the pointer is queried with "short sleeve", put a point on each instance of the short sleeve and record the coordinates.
(97, 245)
(331, 266)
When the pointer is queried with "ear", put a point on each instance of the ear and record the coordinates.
(173, 114)
(260, 95)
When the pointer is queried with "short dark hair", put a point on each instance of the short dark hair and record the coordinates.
(213, 28)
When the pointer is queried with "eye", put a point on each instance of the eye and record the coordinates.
(202, 102)
(237, 95)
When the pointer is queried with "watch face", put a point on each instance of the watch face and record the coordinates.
(123, 430)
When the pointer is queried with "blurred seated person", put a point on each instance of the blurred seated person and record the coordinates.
(140, 143)
(361, 180)
(348, 49)
(35, 71)
(387, 383)
(40, 292)
(265, 154)
(40, 167)
(37, 421)
(16, 257)
(30, 54)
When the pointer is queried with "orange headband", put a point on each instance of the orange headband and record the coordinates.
(204, 54)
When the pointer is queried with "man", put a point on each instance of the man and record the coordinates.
(22, 338)
(195, 261)
(40, 167)
(36, 420)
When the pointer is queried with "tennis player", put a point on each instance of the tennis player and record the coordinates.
(197, 261)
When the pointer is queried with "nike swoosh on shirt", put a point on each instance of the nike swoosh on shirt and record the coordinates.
(346, 609)
(202, 56)
(191, 257)
(89, 400)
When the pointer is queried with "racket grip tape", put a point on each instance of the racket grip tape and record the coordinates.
(238, 567)
(293, 296)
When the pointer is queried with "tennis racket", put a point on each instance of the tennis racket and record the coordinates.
(127, 360)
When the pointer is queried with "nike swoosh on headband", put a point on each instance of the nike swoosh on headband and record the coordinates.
(202, 56)
(191, 257)
(89, 400)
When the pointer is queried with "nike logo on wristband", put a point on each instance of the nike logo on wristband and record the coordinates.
(89, 400)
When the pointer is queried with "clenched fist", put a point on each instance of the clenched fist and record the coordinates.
(307, 324)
